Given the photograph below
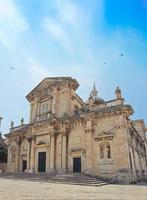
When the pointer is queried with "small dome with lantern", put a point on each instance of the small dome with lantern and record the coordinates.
(94, 98)
(118, 93)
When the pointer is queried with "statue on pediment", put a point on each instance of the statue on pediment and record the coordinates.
(12, 124)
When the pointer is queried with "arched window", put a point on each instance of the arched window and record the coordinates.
(108, 151)
(101, 151)
(105, 150)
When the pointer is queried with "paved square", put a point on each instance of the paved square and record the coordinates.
(14, 189)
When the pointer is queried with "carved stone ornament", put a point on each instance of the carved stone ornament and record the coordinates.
(77, 149)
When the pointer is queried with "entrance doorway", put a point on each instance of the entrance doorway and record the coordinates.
(42, 162)
(24, 165)
(77, 165)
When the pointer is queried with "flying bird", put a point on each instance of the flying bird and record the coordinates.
(12, 68)
(104, 63)
(121, 54)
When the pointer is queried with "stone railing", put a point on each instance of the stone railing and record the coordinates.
(17, 128)
(43, 116)
(112, 103)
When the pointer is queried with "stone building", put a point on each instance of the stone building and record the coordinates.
(3, 152)
(66, 134)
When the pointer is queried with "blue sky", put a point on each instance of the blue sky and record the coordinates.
(40, 38)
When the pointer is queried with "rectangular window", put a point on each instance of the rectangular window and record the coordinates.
(44, 108)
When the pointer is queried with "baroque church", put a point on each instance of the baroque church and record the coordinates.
(67, 135)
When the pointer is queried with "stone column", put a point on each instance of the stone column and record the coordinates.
(32, 160)
(89, 152)
(31, 112)
(64, 152)
(52, 152)
(29, 153)
(17, 155)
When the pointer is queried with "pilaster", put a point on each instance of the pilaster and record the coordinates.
(32, 163)
(52, 152)
(64, 155)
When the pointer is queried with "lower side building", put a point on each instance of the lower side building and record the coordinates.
(3, 155)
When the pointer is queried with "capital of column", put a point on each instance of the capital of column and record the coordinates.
(31, 139)
(52, 133)
(64, 133)
(18, 141)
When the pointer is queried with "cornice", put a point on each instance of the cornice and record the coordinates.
(69, 122)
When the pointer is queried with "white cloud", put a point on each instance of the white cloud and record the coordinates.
(36, 70)
(70, 23)
(78, 13)
(67, 11)
(56, 29)
(12, 22)
(73, 26)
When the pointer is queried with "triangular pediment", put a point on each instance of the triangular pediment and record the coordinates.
(41, 143)
(48, 83)
(104, 134)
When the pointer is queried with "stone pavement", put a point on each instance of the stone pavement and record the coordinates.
(18, 189)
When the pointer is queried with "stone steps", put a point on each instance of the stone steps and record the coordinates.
(74, 179)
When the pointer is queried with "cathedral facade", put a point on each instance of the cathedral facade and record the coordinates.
(67, 135)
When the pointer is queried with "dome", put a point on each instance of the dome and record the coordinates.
(99, 100)
(95, 98)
